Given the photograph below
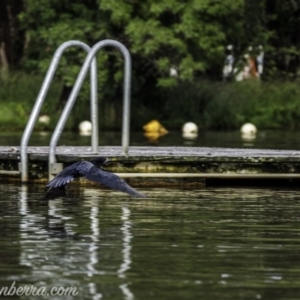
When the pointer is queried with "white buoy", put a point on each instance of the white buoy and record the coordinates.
(248, 132)
(248, 128)
(190, 131)
(189, 127)
(85, 128)
(44, 119)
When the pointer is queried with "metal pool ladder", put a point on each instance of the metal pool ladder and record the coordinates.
(89, 63)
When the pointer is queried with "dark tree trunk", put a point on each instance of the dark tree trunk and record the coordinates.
(11, 36)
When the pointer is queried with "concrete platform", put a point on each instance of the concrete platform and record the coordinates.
(163, 166)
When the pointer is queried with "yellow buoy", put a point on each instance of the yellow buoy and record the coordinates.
(155, 126)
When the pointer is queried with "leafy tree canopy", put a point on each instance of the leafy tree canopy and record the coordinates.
(189, 35)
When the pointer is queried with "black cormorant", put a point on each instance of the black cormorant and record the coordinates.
(90, 170)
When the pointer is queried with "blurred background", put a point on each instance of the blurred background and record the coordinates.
(218, 64)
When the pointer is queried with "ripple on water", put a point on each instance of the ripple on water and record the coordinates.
(216, 243)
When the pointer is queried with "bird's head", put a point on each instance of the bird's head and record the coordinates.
(99, 161)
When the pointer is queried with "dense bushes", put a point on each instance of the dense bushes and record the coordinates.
(18, 93)
(212, 105)
(217, 105)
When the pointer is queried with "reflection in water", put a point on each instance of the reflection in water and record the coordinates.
(180, 244)
(153, 136)
(125, 266)
(94, 225)
(34, 250)
(92, 265)
(28, 228)
(126, 242)
(126, 292)
(93, 245)
(249, 139)
(56, 224)
(23, 199)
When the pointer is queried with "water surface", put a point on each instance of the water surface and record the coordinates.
(265, 139)
(214, 243)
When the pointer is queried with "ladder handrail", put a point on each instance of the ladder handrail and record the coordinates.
(41, 97)
(74, 93)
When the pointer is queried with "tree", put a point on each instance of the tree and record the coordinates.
(60, 21)
(284, 43)
(189, 35)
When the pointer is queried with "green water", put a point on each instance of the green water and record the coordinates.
(217, 243)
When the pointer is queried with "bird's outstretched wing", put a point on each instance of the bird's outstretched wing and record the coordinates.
(69, 174)
(56, 187)
(60, 180)
(111, 180)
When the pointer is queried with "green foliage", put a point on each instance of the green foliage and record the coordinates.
(189, 35)
(17, 96)
(159, 34)
(211, 105)
(214, 105)
(58, 22)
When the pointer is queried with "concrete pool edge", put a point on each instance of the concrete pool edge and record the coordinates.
(163, 165)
